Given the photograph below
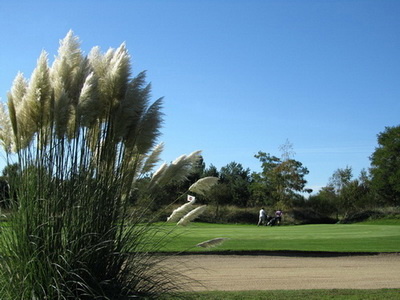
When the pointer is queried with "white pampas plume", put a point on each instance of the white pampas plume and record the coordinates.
(6, 132)
(153, 158)
(203, 185)
(212, 243)
(158, 173)
(18, 90)
(88, 107)
(177, 171)
(181, 211)
(192, 215)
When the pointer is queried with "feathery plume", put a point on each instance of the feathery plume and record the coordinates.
(29, 103)
(158, 174)
(179, 159)
(149, 128)
(212, 243)
(192, 215)
(119, 70)
(113, 68)
(203, 185)
(132, 108)
(181, 167)
(194, 155)
(153, 158)
(178, 170)
(97, 62)
(18, 89)
(181, 211)
(15, 100)
(62, 112)
(6, 132)
(88, 105)
(69, 66)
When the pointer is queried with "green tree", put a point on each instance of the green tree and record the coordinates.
(385, 166)
(339, 183)
(238, 180)
(324, 202)
(351, 195)
(263, 183)
(233, 187)
(211, 171)
(341, 178)
(279, 180)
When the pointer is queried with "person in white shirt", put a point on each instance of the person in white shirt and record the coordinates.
(262, 217)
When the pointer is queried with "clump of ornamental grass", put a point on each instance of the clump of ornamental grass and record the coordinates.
(83, 132)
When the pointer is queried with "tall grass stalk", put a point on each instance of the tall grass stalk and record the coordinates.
(178, 213)
(83, 131)
(192, 215)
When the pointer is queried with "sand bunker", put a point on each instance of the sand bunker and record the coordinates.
(264, 272)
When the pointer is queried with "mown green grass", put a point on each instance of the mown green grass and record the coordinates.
(387, 294)
(336, 238)
(371, 236)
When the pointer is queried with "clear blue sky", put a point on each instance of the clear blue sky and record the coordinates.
(239, 76)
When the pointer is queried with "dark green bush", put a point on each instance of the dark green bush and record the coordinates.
(309, 216)
(363, 216)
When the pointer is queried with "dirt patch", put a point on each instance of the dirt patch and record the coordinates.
(273, 272)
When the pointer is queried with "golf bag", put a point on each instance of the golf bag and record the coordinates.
(272, 221)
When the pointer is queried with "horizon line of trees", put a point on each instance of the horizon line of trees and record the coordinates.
(281, 183)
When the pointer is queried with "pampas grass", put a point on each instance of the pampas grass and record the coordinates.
(186, 213)
(192, 215)
(181, 211)
(6, 130)
(83, 130)
(177, 170)
(212, 243)
(203, 185)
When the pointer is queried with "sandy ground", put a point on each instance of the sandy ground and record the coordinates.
(263, 272)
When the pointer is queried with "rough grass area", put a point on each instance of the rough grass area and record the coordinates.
(387, 294)
(324, 238)
(394, 220)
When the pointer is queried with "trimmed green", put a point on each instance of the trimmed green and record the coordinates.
(336, 238)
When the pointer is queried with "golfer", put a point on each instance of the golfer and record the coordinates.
(278, 216)
(262, 217)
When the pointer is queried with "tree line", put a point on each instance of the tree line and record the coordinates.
(281, 183)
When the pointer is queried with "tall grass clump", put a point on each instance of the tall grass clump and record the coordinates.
(83, 132)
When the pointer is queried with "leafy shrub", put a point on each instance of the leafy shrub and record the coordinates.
(224, 214)
(384, 213)
(309, 216)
